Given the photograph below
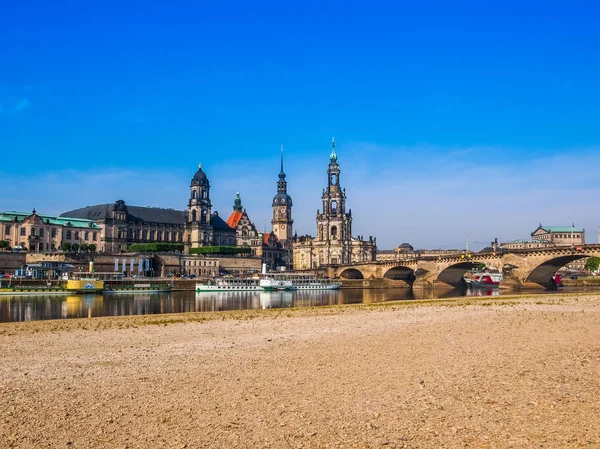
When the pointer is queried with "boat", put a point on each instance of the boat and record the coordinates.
(293, 281)
(276, 282)
(484, 279)
(230, 284)
(137, 287)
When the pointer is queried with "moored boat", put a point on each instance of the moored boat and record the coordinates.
(230, 284)
(485, 280)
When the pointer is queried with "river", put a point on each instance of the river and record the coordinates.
(49, 307)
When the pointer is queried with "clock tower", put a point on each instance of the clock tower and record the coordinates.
(282, 211)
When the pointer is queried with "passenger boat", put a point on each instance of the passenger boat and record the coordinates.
(292, 281)
(137, 287)
(231, 285)
(484, 280)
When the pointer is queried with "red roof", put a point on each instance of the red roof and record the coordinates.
(267, 236)
(234, 218)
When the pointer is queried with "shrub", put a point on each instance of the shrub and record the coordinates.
(220, 250)
(156, 247)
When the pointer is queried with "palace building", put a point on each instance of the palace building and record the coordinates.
(334, 243)
(37, 232)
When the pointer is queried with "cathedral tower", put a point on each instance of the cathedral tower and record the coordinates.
(199, 211)
(334, 225)
(282, 210)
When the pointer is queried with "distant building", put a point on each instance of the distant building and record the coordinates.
(334, 243)
(122, 225)
(560, 235)
(526, 244)
(38, 232)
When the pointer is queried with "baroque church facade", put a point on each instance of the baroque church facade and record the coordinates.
(334, 243)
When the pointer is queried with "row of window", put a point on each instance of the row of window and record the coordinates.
(201, 263)
(70, 235)
(144, 235)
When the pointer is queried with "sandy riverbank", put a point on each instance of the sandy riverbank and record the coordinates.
(453, 373)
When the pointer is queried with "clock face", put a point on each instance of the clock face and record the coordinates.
(282, 226)
(283, 200)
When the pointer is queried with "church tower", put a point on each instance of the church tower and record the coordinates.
(282, 210)
(199, 212)
(334, 225)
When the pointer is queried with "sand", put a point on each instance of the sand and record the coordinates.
(434, 374)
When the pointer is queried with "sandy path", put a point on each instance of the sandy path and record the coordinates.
(497, 375)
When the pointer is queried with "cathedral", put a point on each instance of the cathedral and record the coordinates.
(334, 243)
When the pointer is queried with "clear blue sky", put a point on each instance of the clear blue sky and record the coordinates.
(437, 109)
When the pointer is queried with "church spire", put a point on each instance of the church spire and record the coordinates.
(281, 154)
(333, 156)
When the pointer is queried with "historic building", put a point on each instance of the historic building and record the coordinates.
(245, 232)
(282, 211)
(549, 236)
(334, 243)
(37, 232)
(121, 224)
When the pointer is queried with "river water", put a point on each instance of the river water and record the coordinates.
(47, 307)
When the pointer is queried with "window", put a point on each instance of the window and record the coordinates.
(22, 231)
(333, 232)
(159, 235)
(41, 245)
(53, 233)
(194, 216)
(144, 235)
(68, 235)
(333, 207)
(86, 235)
(7, 230)
(32, 231)
(76, 235)
(41, 232)
(94, 236)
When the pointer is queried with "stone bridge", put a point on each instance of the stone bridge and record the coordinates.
(520, 268)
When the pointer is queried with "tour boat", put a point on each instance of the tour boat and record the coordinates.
(230, 285)
(292, 281)
(485, 280)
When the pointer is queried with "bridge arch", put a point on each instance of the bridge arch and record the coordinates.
(401, 273)
(544, 273)
(453, 274)
(351, 273)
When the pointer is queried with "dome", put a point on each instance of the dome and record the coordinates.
(282, 199)
(200, 176)
(405, 248)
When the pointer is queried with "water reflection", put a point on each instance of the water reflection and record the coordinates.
(45, 307)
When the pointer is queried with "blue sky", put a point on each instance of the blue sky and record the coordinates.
(451, 118)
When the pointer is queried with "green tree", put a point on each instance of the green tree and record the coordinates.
(84, 247)
(592, 264)
(92, 247)
(75, 247)
(66, 247)
(3, 245)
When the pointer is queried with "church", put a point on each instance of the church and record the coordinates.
(334, 243)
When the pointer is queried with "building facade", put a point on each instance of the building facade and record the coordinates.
(334, 243)
(37, 232)
(560, 235)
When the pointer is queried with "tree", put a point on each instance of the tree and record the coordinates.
(84, 247)
(3, 245)
(592, 264)
(66, 247)
(75, 247)
(92, 247)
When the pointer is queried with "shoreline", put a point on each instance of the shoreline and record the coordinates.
(514, 371)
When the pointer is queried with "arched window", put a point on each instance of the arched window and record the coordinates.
(333, 207)
(193, 194)
(204, 216)
(333, 180)
(194, 217)
(334, 232)
(204, 194)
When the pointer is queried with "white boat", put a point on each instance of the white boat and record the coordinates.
(230, 285)
(276, 282)
(485, 280)
(292, 281)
